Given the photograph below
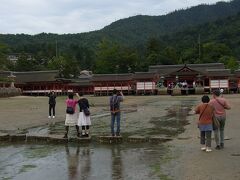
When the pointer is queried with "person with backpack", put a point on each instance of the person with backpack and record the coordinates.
(84, 120)
(71, 114)
(115, 100)
(220, 105)
(52, 104)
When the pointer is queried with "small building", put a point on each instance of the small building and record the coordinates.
(39, 82)
(105, 83)
(83, 84)
(209, 76)
(145, 82)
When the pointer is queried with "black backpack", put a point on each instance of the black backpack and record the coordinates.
(114, 103)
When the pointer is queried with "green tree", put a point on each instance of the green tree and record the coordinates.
(68, 68)
(128, 60)
(153, 59)
(169, 56)
(152, 52)
(107, 57)
(190, 55)
(4, 63)
(230, 62)
(113, 58)
(212, 52)
(24, 63)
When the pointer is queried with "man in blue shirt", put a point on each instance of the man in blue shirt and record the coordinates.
(115, 100)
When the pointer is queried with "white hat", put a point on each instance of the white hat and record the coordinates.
(221, 90)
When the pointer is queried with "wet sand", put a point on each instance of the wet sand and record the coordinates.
(190, 163)
(142, 116)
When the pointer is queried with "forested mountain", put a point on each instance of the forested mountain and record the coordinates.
(133, 43)
(139, 28)
(211, 42)
(224, 31)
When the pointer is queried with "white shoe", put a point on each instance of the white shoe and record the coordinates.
(203, 148)
(53, 117)
(49, 117)
(208, 149)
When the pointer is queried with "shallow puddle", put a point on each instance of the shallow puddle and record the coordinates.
(122, 161)
(98, 161)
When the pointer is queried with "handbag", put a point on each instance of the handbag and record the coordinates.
(70, 110)
(86, 112)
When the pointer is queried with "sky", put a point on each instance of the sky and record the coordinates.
(77, 16)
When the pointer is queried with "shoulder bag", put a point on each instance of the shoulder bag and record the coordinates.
(70, 110)
(86, 112)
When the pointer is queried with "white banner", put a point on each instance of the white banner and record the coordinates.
(110, 88)
(41, 91)
(146, 85)
(223, 83)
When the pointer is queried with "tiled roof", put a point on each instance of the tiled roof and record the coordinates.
(218, 72)
(5, 73)
(144, 75)
(35, 76)
(112, 77)
(167, 69)
(81, 82)
(237, 73)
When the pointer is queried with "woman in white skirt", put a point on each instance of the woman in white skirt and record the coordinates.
(84, 120)
(71, 117)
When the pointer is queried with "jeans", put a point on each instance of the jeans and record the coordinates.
(114, 117)
(219, 133)
(206, 138)
(51, 108)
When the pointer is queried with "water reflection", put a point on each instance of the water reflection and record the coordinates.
(117, 167)
(84, 162)
(78, 162)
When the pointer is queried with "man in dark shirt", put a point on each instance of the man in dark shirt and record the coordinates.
(52, 104)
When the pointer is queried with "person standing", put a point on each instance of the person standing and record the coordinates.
(115, 100)
(84, 120)
(219, 104)
(71, 114)
(221, 92)
(206, 112)
(52, 104)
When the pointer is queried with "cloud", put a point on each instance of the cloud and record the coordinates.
(75, 16)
